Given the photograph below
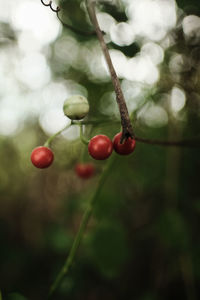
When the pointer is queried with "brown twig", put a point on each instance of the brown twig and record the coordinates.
(75, 30)
(127, 130)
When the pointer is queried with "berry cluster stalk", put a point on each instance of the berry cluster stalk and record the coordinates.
(70, 259)
(82, 138)
(127, 130)
(188, 143)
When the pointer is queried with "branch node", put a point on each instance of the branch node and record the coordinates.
(126, 134)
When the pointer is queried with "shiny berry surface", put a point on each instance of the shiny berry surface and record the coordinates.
(126, 148)
(42, 157)
(85, 170)
(100, 147)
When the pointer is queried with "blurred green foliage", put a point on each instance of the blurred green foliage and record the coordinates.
(142, 241)
(108, 248)
(15, 296)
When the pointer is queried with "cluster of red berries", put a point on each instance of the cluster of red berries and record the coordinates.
(100, 147)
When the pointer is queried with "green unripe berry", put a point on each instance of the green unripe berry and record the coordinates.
(76, 107)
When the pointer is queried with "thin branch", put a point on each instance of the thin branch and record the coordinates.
(187, 143)
(193, 143)
(127, 130)
(75, 30)
(70, 259)
(57, 9)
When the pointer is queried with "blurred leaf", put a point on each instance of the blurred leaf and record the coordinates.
(7, 34)
(148, 296)
(185, 3)
(196, 260)
(107, 205)
(197, 206)
(172, 230)
(109, 248)
(67, 285)
(15, 296)
(58, 240)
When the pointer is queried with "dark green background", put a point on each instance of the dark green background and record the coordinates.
(142, 242)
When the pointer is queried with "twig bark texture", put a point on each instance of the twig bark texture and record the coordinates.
(127, 130)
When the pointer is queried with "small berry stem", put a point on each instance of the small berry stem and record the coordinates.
(97, 122)
(51, 138)
(190, 143)
(82, 138)
(70, 259)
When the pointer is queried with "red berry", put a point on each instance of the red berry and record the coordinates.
(100, 147)
(85, 170)
(126, 148)
(42, 157)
